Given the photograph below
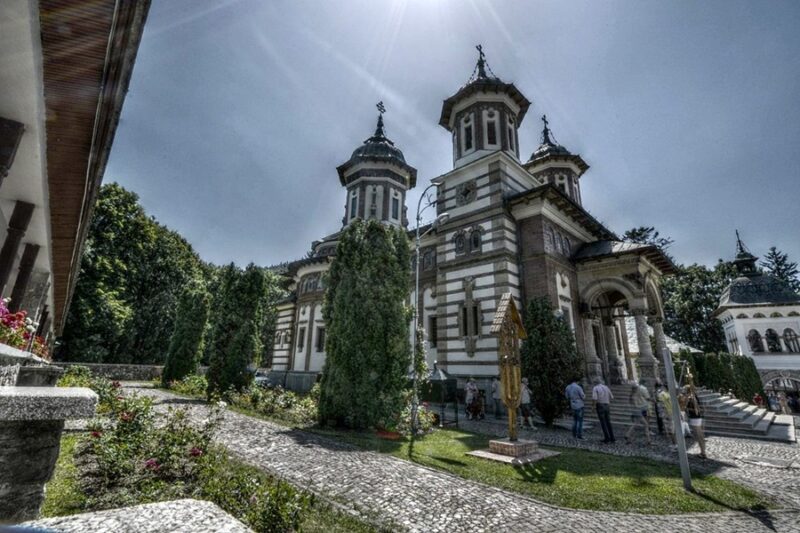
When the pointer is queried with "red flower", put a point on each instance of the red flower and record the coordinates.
(152, 464)
(96, 434)
(116, 384)
(126, 416)
(195, 452)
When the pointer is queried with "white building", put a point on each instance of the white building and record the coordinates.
(761, 319)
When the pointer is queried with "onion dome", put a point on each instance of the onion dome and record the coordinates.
(483, 80)
(549, 149)
(377, 149)
(753, 286)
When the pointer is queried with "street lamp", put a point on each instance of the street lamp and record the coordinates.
(439, 220)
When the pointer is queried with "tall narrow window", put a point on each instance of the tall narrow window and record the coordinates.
(491, 132)
(353, 205)
(433, 331)
(475, 241)
(754, 338)
(464, 315)
(791, 340)
(301, 336)
(395, 208)
(773, 343)
(511, 144)
(476, 320)
(468, 138)
(320, 340)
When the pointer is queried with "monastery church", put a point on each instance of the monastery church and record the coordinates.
(516, 224)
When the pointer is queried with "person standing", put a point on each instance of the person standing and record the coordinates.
(663, 398)
(639, 400)
(497, 394)
(576, 396)
(694, 413)
(658, 409)
(470, 397)
(602, 397)
(525, 404)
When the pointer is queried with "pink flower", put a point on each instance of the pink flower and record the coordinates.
(96, 434)
(126, 416)
(152, 464)
(195, 452)
(116, 384)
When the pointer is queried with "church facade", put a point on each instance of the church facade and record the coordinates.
(515, 224)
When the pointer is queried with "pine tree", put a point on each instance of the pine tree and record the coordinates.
(549, 359)
(368, 347)
(185, 344)
(238, 328)
(777, 263)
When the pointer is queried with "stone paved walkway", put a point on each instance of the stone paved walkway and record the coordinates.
(416, 498)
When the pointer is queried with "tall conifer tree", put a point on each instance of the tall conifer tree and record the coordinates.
(367, 319)
(185, 344)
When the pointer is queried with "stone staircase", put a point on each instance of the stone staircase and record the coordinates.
(724, 416)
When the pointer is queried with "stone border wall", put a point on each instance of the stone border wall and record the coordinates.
(119, 372)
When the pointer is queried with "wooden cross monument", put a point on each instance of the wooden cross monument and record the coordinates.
(507, 325)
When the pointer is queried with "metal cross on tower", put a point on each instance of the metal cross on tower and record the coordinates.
(381, 107)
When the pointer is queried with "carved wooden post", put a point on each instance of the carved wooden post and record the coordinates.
(507, 325)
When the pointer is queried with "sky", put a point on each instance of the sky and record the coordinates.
(687, 112)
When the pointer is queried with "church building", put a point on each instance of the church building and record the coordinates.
(515, 224)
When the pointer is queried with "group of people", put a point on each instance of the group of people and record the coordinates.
(778, 402)
(642, 407)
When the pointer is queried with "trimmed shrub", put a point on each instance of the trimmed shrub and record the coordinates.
(185, 344)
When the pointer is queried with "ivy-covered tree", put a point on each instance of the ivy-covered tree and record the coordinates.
(237, 332)
(368, 350)
(133, 271)
(690, 298)
(185, 346)
(550, 359)
(777, 263)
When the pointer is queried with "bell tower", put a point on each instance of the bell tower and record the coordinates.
(484, 115)
(554, 164)
(377, 178)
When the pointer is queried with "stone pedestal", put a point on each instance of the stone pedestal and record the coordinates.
(31, 422)
(517, 448)
(518, 452)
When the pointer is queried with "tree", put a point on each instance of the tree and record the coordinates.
(777, 263)
(185, 345)
(690, 298)
(238, 328)
(549, 359)
(133, 271)
(367, 320)
(647, 235)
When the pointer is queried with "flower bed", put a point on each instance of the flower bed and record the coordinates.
(19, 331)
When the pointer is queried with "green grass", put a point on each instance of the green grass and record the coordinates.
(64, 496)
(576, 479)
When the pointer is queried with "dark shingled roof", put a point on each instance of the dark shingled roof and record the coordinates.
(757, 290)
(378, 149)
(610, 248)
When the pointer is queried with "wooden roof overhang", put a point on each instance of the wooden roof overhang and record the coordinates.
(88, 52)
(567, 206)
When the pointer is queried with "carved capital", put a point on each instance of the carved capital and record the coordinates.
(638, 312)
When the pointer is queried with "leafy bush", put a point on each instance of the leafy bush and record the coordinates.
(725, 372)
(76, 376)
(192, 385)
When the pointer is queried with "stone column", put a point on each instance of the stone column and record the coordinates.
(42, 319)
(661, 339)
(614, 363)
(23, 276)
(783, 345)
(17, 226)
(593, 363)
(648, 365)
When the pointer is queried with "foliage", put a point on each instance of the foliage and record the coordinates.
(191, 385)
(647, 235)
(549, 359)
(777, 263)
(63, 495)
(76, 376)
(133, 271)
(575, 478)
(725, 372)
(367, 348)
(185, 345)
(690, 298)
(238, 332)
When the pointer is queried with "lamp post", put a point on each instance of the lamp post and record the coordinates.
(414, 378)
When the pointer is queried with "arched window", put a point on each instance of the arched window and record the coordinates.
(491, 128)
(773, 342)
(466, 134)
(791, 340)
(775, 315)
(754, 338)
(742, 315)
(475, 240)
(793, 313)
(759, 315)
(461, 243)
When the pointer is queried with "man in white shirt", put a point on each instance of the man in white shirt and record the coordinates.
(602, 397)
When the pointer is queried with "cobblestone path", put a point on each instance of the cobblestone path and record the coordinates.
(415, 498)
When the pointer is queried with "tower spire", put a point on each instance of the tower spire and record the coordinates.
(546, 131)
(481, 62)
(745, 261)
(379, 131)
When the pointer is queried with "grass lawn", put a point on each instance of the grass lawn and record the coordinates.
(577, 479)
(64, 497)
